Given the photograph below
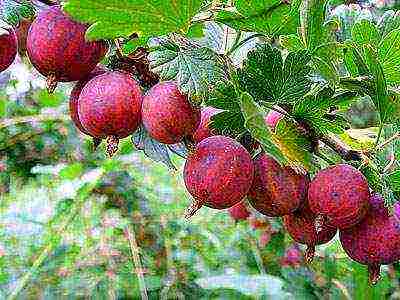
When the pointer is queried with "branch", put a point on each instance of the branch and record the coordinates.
(340, 148)
(137, 64)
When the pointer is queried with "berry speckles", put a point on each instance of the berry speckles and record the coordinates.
(223, 183)
(375, 240)
(276, 191)
(109, 107)
(168, 115)
(57, 47)
(301, 227)
(339, 194)
(8, 49)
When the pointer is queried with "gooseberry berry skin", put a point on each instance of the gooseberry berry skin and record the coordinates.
(109, 105)
(218, 174)
(168, 115)
(74, 97)
(375, 241)
(276, 190)
(239, 212)
(204, 129)
(301, 227)
(8, 49)
(340, 194)
(57, 48)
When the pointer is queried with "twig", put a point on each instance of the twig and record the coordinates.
(130, 234)
(341, 149)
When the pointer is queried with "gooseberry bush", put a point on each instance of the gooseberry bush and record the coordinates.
(276, 123)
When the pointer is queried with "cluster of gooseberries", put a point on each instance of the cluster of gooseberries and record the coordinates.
(219, 172)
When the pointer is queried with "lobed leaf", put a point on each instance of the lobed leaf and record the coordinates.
(380, 97)
(270, 79)
(389, 56)
(272, 17)
(231, 121)
(193, 67)
(148, 18)
(12, 12)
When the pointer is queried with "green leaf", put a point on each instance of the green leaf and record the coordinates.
(314, 109)
(49, 100)
(326, 68)
(272, 17)
(394, 98)
(389, 56)
(318, 38)
(365, 32)
(130, 46)
(373, 177)
(380, 93)
(312, 18)
(291, 42)
(269, 78)
(148, 18)
(3, 107)
(294, 145)
(196, 30)
(394, 180)
(195, 68)
(255, 123)
(359, 61)
(349, 61)
(12, 11)
(231, 121)
(152, 149)
(72, 171)
(389, 21)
